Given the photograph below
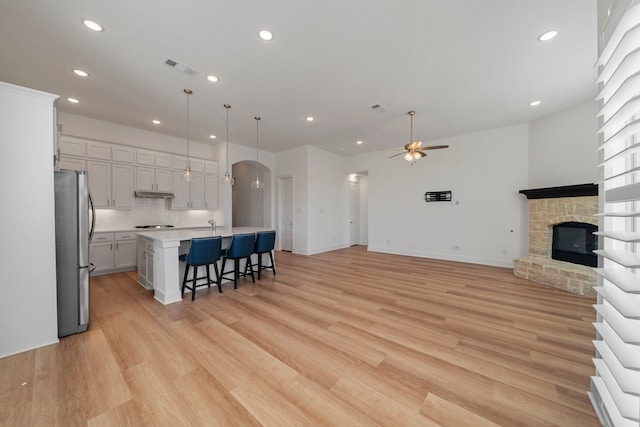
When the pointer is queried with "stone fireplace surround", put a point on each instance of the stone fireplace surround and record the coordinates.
(547, 207)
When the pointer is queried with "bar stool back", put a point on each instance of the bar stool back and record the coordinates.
(265, 242)
(203, 251)
(241, 248)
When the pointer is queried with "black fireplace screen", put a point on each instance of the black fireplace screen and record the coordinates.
(574, 242)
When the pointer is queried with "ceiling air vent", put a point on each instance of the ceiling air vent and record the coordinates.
(180, 67)
(379, 108)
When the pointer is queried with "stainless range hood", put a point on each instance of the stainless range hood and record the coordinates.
(154, 194)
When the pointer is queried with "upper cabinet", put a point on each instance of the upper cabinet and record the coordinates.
(111, 185)
(98, 150)
(70, 146)
(153, 158)
(152, 179)
(115, 171)
(122, 154)
(180, 163)
(77, 147)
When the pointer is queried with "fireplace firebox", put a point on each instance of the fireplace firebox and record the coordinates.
(575, 242)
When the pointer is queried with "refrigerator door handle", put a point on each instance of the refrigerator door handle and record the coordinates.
(93, 218)
(92, 267)
(83, 297)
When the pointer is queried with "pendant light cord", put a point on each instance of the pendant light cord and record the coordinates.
(257, 122)
(188, 92)
(227, 106)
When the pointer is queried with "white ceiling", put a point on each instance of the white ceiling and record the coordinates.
(463, 65)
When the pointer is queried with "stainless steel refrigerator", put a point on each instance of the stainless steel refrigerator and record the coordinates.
(75, 221)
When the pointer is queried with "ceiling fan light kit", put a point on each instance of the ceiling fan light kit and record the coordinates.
(414, 151)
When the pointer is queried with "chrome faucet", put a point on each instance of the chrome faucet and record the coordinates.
(213, 225)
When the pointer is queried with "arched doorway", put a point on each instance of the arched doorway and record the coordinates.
(251, 207)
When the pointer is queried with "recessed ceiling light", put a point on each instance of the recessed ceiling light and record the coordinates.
(73, 100)
(359, 142)
(212, 136)
(212, 78)
(265, 35)
(92, 25)
(547, 35)
(310, 119)
(81, 73)
(535, 103)
(155, 121)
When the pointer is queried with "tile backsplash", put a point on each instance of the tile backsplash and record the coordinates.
(154, 211)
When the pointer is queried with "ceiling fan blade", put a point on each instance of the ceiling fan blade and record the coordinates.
(421, 154)
(396, 155)
(433, 147)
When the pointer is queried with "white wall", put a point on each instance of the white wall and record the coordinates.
(293, 163)
(484, 171)
(328, 201)
(562, 148)
(28, 312)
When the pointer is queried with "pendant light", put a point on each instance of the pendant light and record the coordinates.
(227, 178)
(257, 184)
(187, 169)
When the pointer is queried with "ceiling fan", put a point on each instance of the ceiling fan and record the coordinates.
(414, 151)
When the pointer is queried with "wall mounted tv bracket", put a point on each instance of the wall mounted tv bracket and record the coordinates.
(437, 196)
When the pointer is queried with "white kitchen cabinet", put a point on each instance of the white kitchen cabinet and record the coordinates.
(99, 175)
(153, 158)
(125, 251)
(146, 157)
(101, 252)
(197, 191)
(164, 160)
(146, 256)
(113, 252)
(98, 150)
(180, 163)
(111, 184)
(152, 179)
(122, 154)
(211, 168)
(72, 163)
(211, 192)
(122, 186)
(188, 194)
(72, 146)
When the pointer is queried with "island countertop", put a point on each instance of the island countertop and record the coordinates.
(171, 235)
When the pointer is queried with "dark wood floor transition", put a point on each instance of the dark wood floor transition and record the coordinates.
(344, 338)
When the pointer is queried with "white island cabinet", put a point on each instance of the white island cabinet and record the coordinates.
(167, 246)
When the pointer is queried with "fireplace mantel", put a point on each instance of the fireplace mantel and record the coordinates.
(564, 191)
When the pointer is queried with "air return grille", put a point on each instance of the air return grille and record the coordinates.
(180, 67)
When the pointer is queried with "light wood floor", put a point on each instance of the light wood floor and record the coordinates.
(346, 338)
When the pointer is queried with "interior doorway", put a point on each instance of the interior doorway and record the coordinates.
(354, 213)
(358, 208)
(251, 207)
(285, 214)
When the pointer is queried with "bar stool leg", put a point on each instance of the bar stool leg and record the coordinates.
(273, 266)
(218, 277)
(184, 280)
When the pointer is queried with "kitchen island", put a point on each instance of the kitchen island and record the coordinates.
(163, 249)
